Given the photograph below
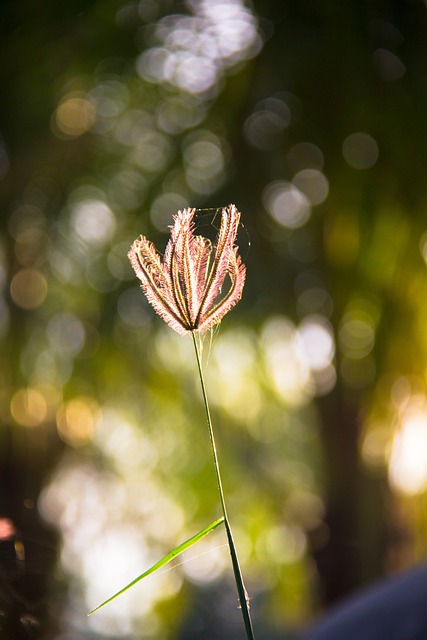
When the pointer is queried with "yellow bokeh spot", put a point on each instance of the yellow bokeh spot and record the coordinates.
(74, 115)
(28, 407)
(76, 420)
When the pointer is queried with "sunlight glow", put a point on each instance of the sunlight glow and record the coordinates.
(408, 461)
(286, 204)
(315, 347)
(194, 51)
(300, 360)
(289, 375)
(105, 541)
(315, 343)
(92, 221)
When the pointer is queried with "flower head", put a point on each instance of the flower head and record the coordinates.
(186, 288)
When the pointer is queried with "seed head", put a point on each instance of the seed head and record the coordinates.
(185, 289)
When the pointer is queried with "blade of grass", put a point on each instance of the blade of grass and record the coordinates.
(241, 589)
(167, 558)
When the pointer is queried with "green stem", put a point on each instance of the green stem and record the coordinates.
(243, 595)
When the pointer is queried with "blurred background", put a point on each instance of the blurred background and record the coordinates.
(311, 118)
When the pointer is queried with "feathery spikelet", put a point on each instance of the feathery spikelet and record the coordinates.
(186, 288)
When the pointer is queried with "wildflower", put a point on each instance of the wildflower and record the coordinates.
(186, 288)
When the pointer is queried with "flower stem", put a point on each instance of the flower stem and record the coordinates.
(243, 595)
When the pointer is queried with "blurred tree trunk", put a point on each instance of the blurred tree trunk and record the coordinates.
(352, 554)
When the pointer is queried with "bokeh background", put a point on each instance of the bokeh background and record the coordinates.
(312, 118)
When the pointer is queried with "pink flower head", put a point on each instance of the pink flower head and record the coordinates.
(186, 288)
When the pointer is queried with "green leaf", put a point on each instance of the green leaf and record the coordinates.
(170, 556)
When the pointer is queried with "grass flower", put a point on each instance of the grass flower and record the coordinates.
(186, 288)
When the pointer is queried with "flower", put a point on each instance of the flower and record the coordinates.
(186, 288)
